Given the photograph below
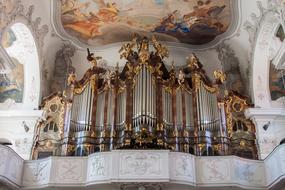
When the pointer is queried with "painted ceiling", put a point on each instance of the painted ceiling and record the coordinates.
(101, 22)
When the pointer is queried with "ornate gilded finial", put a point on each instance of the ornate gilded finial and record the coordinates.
(127, 49)
(92, 59)
(220, 76)
(71, 79)
(192, 62)
(143, 50)
(161, 50)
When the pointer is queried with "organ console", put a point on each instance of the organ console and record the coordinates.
(147, 106)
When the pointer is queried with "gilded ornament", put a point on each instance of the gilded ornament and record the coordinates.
(220, 76)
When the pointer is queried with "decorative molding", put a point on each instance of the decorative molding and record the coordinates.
(98, 167)
(140, 164)
(36, 173)
(18, 13)
(70, 170)
(248, 173)
(141, 186)
(182, 167)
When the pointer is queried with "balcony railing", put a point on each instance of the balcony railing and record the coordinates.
(142, 166)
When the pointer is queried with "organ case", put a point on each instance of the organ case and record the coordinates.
(145, 105)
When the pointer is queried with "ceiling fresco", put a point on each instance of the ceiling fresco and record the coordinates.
(101, 22)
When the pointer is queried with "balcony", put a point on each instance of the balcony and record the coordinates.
(122, 168)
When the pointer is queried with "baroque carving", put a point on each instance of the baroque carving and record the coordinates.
(69, 171)
(140, 186)
(248, 172)
(11, 10)
(97, 166)
(276, 7)
(37, 172)
(183, 166)
(140, 164)
(215, 170)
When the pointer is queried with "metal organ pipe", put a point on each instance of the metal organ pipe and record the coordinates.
(82, 110)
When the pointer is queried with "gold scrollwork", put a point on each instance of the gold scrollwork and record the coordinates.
(220, 76)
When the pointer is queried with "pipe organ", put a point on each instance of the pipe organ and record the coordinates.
(144, 105)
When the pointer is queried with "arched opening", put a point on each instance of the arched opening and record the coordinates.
(262, 56)
(20, 77)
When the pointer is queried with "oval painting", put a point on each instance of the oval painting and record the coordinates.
(100, 22)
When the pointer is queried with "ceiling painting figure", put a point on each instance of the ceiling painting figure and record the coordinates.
(100, 22)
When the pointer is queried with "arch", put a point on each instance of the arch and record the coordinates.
(18, 42)
(261, 60)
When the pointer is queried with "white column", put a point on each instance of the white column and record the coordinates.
(270, 138)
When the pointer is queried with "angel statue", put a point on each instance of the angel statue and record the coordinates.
(181, 77)
(108, 78)
(161, 50)
(92, 59)
(127, 49)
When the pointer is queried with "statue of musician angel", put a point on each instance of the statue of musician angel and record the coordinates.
(181, 77)
(127, 49)
(92, 59)
(108, 78)
(161, 51)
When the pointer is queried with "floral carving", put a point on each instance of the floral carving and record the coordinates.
(70, 170)
(184, 166)
(215, 170)
(140, 164)
(98, 166)
(248, 172)
(37, 172)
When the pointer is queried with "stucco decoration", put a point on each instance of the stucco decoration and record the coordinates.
(141, 186)
(140, 164)
(231, 66)
(14, 10)
(36, 173)
(13, 13)
(63, 67)
(260, 29)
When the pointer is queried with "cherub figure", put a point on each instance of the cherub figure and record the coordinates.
(108, 78)
(181, 77)
(127, 49)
